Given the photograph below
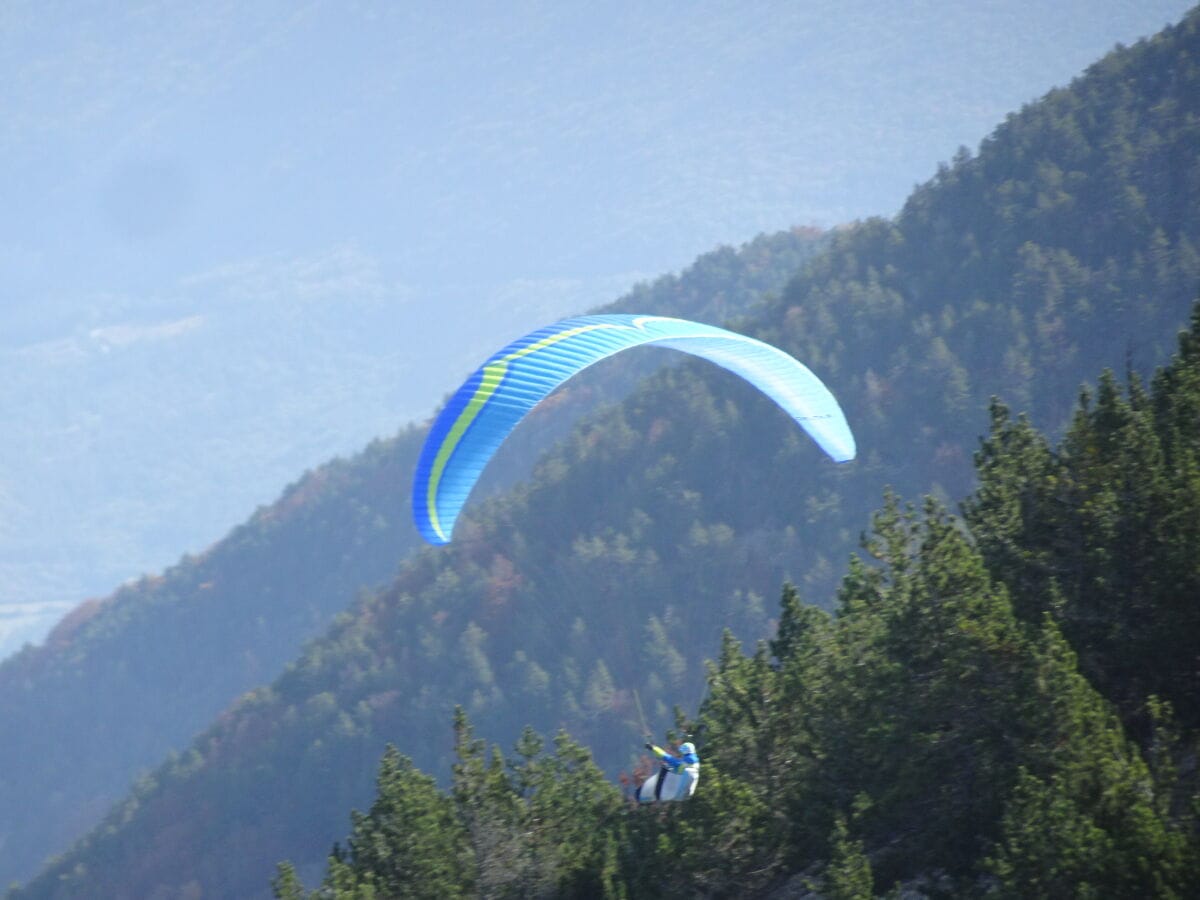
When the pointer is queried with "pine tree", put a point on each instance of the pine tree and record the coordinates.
(847, 876)
(491, 810)
(1104, 533)
(1014, 513)
(1083, 812)
(286, 884)
(410, 843)
(573, 821)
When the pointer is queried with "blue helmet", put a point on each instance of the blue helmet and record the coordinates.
(687, 748)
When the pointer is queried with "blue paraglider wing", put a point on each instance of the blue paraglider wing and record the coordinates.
(488, 406)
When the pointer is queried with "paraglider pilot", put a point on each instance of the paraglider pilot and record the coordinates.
(676, 778)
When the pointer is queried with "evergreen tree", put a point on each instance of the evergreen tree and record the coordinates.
(1103, 533)
(490, 809)
(1014, 512)
(286, 884)
(573, 821)
(848, 873)
(1084, 811)
(410, 843)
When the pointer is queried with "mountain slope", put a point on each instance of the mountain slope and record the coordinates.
(124, 680)
(242, 264)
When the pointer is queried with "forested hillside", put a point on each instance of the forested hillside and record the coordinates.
(124, 680)
(937, 732)
(1067, 244)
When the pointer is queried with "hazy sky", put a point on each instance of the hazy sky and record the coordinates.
(147, 142)
(216, 178)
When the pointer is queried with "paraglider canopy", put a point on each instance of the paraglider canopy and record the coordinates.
(489, 404)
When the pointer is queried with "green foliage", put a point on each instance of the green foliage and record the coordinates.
(1102, 533)
(410, 844)
(848, 874)
(539, 825)
(286, 884)
(542, 824)
(963, 743)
